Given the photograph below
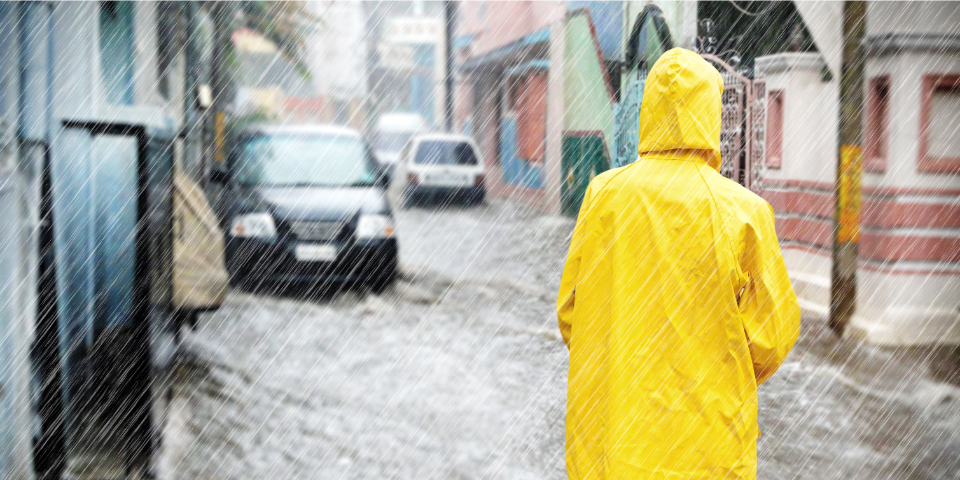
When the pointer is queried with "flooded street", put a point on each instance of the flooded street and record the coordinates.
(459, 372)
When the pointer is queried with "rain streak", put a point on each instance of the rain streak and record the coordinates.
(403, 239)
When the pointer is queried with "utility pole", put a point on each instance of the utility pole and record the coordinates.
(449, 17)
(843, 287)
(224, 21)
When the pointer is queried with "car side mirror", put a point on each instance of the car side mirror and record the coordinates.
(383, 177)
(219, 176)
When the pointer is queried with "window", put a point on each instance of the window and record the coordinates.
(116, 51)
(878, 119)
(303, 161)
(774, 129)
(939, 137)
(433, 152)
(391, 141)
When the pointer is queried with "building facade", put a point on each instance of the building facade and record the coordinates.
(537, 95)
(405, 60)
(101, 102)
(909, 269)
(908, 273)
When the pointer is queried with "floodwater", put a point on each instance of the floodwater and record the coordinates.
(459, 372)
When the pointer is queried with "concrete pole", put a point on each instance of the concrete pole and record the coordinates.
(843, 289)
(553, 160)
(224, 88)
(449, 16)
(371, 37)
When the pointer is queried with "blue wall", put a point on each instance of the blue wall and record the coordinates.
(516, 171)
(608, 20)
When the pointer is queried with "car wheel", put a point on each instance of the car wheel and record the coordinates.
(384, 281)
(243, 282)
(477, 198)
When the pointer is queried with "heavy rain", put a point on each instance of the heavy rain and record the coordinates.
(402, 240)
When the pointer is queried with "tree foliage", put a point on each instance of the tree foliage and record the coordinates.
(286, 23)
(740, 31)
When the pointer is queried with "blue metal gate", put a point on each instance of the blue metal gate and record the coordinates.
(626, 121)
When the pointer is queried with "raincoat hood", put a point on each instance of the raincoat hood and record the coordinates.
(681, 106)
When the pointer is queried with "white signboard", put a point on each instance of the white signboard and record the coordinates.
(413, 30)
(395, 57)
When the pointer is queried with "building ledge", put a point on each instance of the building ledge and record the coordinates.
(510, 51)
(532, 65)
(788, 61)
(894, 43)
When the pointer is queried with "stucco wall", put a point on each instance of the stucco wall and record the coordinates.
(588, 111)
(810, 116)
(801, 189)
(909, 265)
(531, 106)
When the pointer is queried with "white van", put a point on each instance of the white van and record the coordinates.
(393, 131)
(441, 165)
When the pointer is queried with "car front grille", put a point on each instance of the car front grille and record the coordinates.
(319, 231)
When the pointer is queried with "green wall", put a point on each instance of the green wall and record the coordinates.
(588, 114)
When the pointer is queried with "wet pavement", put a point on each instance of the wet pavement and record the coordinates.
(459, 372)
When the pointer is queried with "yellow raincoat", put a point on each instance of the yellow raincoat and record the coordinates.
(675, 301)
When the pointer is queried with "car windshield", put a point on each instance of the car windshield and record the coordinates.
(439, 152)
(301, 160)
(391, 141)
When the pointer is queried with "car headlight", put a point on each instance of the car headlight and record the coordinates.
(253, 225)
(374, 226)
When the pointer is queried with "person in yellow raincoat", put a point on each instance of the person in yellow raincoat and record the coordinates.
(675, 301)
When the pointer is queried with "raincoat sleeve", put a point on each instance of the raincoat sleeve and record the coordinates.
(769, 307)
(568, 283)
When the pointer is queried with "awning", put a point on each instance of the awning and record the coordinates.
(523, 68)
(505, 52)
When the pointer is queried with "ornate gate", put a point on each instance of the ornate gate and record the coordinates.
(743, 120)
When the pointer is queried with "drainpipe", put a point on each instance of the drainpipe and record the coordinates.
(35, 107)
(15, 368)
(843, 288)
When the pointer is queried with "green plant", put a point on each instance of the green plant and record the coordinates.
(286, 23)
